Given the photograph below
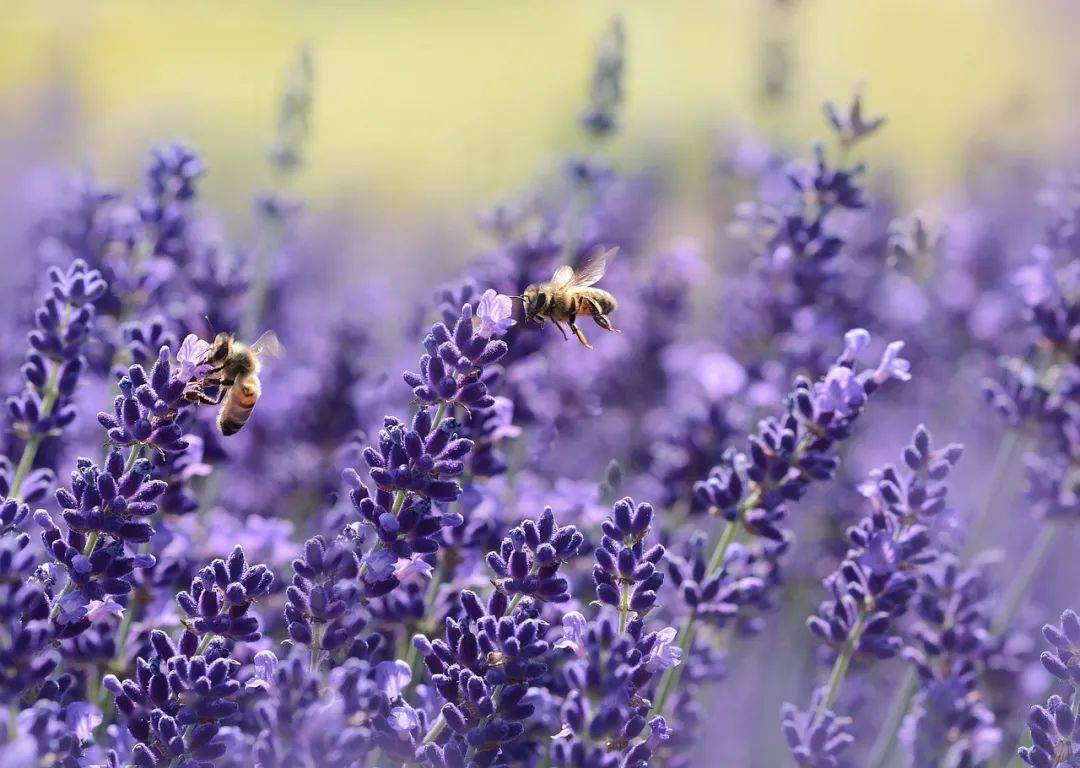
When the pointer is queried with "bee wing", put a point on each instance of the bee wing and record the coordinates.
(563, 277)
(593, 268)
(268, 345)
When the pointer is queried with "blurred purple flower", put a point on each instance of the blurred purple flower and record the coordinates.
(412, 569)
(82, 718)
(573, 639)
(665, 653)
(892, 366)
(392, 677)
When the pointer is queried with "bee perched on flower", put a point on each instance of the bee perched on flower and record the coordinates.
(231, 369)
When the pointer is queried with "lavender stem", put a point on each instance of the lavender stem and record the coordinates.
(840, 668)
(1004, 457)
(686, 632)
(882, 749)
(1029, 568)
(48, 402)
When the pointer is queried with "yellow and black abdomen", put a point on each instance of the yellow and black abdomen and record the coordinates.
(238, 405)
(595, 301)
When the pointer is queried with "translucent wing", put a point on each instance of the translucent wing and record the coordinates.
(268, 345)
(593, 268)
(563, 277)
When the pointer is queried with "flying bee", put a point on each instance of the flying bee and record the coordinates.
(234, 374)
(569, 295)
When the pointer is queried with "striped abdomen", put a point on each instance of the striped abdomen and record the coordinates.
(594, 301)
(239, 403)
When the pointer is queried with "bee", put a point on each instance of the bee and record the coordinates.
(234, 373)
(569, 295)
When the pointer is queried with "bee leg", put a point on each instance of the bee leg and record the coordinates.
(580, 336)
(561, 329)
(201, 398)
(600, 318)
(605, 323)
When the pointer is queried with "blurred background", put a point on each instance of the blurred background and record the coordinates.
(433, 108)
(423, 113)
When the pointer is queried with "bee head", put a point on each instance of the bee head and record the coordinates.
(221, 349)
(533, 301)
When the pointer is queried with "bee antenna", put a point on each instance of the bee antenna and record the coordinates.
(209, 325)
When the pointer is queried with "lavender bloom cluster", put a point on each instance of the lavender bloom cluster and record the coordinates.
(650, 553)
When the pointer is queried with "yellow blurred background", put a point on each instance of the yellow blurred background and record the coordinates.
(439, 105)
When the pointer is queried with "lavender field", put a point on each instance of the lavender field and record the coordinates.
(780, 468)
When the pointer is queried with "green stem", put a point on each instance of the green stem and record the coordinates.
(686, 633)
(624, 606)
(316, 646)
(440, 414)
(1029, 568)
(26, 462)
(670, 681)
(136, 453)
(48, 402)
(720, 552)
(435, 730)
(204, 643)
(840, 668)
(882, 749)
(412, 655)
(1004, 457)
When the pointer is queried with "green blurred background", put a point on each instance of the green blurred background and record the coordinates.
(437, 107)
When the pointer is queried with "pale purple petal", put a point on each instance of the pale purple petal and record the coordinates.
(493, 314)
(191, 358)
(392, 677)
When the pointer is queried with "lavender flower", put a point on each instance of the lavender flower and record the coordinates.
(421, 460)
(26, 655)
(625, 573)
(450, 371)
(788, 454)
(493, 316)
(817, 737)
(605, 712)
(146, 411)
(1054, 731)
(876, 582)
(221, 596)
(529, 559)
(415, 526)
(951, 721)
(606, 89)
(324, 599)
(482, 670)
(175, 707)
(849, 124)
(55, 360)
(433, 618)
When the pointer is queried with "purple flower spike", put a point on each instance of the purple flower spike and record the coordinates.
(529, 558)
